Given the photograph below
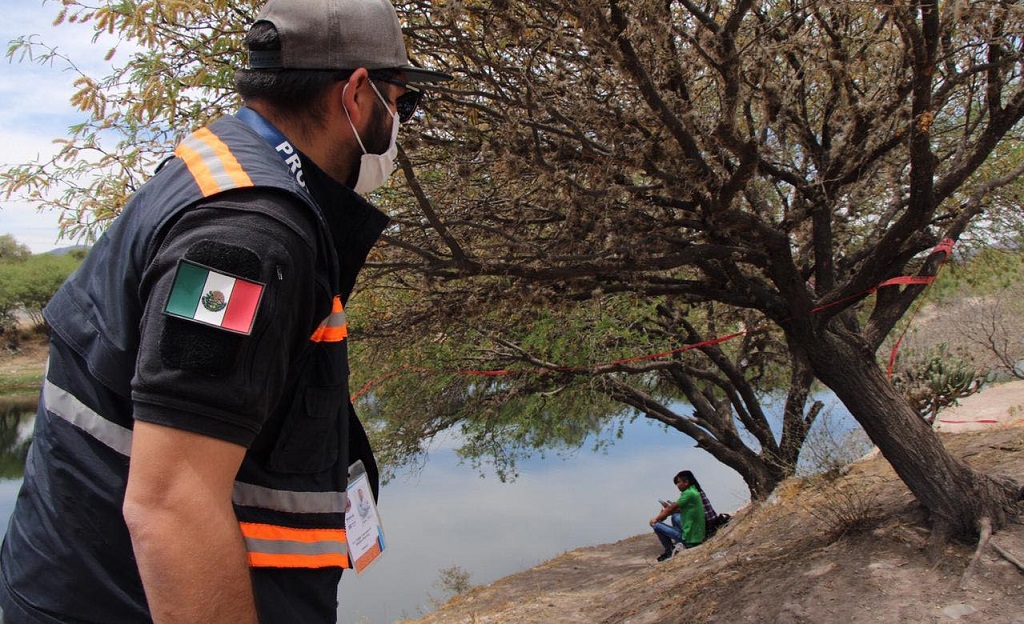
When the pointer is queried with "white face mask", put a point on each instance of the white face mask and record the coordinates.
(375, 169)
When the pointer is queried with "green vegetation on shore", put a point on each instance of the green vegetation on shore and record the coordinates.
(21, 369)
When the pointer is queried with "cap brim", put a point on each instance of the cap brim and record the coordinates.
(418, 75)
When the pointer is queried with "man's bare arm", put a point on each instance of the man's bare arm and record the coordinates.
(186, 538)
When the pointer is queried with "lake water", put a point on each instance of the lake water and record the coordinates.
(446, 514)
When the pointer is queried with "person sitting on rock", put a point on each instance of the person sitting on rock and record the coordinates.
(691, 525)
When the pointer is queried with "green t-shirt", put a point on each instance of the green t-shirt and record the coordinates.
(691, 516)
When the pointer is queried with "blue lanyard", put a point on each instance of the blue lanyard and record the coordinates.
(273, 136)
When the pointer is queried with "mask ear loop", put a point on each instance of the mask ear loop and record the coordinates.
(387, 106)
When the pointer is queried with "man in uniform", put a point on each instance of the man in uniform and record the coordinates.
(194, 432)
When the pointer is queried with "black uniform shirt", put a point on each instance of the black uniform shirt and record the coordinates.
(209, 380)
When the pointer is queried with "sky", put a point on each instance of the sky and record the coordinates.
(35, 107)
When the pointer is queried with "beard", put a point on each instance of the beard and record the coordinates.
(380, 135)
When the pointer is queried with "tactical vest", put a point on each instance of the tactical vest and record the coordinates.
(67, 529)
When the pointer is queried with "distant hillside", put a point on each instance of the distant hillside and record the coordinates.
(63, 251)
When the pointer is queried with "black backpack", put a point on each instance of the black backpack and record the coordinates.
(719, 521)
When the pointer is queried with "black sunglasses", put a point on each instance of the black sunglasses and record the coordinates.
(406, 103)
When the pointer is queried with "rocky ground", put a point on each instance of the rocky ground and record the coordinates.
(852, 549)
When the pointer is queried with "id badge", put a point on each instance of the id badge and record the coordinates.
(363, 528)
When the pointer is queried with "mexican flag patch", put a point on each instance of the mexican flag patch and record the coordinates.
(203, 295)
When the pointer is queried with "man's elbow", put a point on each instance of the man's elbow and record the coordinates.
(141, 513)
(148, 506)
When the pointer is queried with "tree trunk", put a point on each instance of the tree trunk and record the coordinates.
(956, 496)
(762, 473)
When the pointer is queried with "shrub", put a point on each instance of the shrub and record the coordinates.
(27, 284)
(451, 582)
(846, 509)
(830, 448)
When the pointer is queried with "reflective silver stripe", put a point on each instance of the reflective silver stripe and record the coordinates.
(62, 403)
(288, 547)
(335, 319)
(210, 158)
(249, 495)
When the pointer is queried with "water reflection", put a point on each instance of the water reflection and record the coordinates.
(446, 514)
(16, 420)
(15, 436)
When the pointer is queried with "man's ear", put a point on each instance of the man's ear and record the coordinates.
(350, 95)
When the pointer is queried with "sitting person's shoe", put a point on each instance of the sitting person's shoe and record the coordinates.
(665, 555)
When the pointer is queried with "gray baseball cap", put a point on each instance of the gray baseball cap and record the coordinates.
(338, 34)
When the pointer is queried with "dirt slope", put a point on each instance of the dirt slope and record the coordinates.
(847, 550)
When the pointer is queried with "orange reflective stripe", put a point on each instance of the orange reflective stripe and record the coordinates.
(273, 546)
(334, 328)
(261, 560)
(330, 334)
(277, 532)
(211, 163)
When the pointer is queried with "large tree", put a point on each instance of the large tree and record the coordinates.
(782, 157)
(171, 73)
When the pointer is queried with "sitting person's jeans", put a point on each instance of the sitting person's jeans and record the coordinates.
(669, 535)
